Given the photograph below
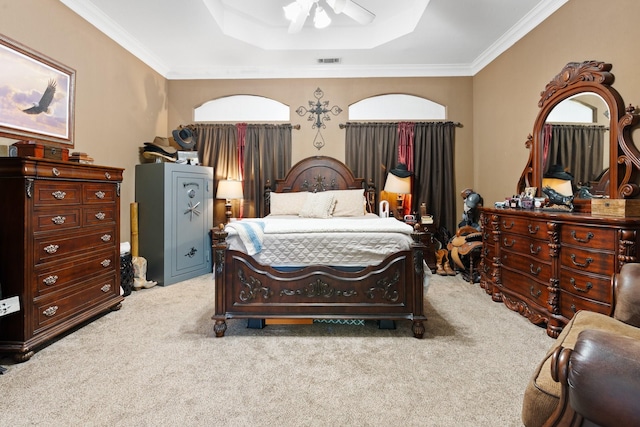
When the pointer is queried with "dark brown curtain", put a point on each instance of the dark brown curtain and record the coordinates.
(578, 148)
(371, 149)
(434, 174)
(267, 156)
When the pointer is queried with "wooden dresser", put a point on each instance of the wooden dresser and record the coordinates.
(59, 248)
(549, 265)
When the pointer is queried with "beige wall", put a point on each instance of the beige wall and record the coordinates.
(120, 102)
(507, 91)
(453, 92)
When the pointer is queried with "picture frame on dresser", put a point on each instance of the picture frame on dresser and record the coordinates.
(37, 100)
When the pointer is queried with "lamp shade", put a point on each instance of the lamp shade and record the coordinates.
(229, 189)
(395, 184)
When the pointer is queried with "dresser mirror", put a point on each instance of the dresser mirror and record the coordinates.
(584, 128)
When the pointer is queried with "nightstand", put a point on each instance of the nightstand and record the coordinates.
(430, 242)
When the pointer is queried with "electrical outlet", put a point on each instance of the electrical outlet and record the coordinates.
(9, 305)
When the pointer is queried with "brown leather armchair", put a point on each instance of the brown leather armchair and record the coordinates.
(591, 375)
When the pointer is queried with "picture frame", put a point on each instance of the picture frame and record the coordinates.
(37, 96)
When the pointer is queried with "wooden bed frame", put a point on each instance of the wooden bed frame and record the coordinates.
(392, 290)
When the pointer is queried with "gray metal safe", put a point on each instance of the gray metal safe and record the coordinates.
(175, 217)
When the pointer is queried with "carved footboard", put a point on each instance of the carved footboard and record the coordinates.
(246, 289)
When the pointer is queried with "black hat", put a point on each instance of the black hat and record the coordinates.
(557, 171)
(184, 138)
(400, 171)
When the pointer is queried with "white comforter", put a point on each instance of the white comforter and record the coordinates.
(348, 241)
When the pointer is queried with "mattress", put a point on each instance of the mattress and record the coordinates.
(290, 241)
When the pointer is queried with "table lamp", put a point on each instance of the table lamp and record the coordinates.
(229, 189)
(400, 186)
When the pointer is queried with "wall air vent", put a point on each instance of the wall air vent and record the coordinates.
(329, 60)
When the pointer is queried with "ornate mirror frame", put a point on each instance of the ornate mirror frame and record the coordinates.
(624, 158)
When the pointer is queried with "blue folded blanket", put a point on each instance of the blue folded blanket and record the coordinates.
(251, 234)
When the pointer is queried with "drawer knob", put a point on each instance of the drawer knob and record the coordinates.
(49, 312)
(583, 265)
(59, 195)
(51, 249)
(106, 237)
(587, 238)
(100, 216)
(55, 172)
(58, 220)
(106, 288)
(100, 194)
(50, 280)
(105, 263)
(107, 175)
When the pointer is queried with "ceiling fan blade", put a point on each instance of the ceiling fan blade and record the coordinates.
(301, 17)
(358, 13)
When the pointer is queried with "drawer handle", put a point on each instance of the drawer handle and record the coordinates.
(58, 220)
(49, 312)
(536, 271)
(534, 251)
(586, 261)
(507, 227)
(107, 175)
(100, 194)
(106, 238)
(106, 288)
(578, 239)
(191, 253)
(51, 249)
(50, 280)
(573, 308)
(573, 283)
(100, 216)
(105, 263)
(506, 244)
(536, 295)
(59, 195)
(55, 171)
(533, 230)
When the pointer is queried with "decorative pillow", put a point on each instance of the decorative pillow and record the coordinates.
(317, 205)
(348, 202)
(287, 203)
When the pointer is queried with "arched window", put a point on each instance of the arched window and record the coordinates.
(242, 108)
(397, 106)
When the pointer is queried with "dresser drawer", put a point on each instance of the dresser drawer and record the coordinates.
(56, 219)
(56, 246)
(62, 276)
(99, 215)
(526, 266)
(570, 304)
(529, 289)
(48, 193)
(99, 193)
(588, 237)
(587, 261)
(586, 286)
(525, 245)
(54, 309)
(524, 227)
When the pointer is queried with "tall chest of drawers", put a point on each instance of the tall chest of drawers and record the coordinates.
(59, 248)
(547, 265)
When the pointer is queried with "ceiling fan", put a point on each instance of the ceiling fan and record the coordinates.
(298, 11)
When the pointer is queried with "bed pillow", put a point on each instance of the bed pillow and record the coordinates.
(287, 203)
(348, 202)
(317, 205)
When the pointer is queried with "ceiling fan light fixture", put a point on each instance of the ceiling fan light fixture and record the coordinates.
(321, 19)
(337, 5)
(292, 10)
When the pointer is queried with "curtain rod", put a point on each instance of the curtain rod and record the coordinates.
(343, 125)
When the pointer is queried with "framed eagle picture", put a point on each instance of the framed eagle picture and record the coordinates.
(37, 96)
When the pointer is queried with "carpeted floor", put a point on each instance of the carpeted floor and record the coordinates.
(156, 363)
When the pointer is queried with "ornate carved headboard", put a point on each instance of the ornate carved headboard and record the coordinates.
(321, 173)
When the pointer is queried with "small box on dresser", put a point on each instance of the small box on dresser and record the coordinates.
(59, 248)
(616, 207)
